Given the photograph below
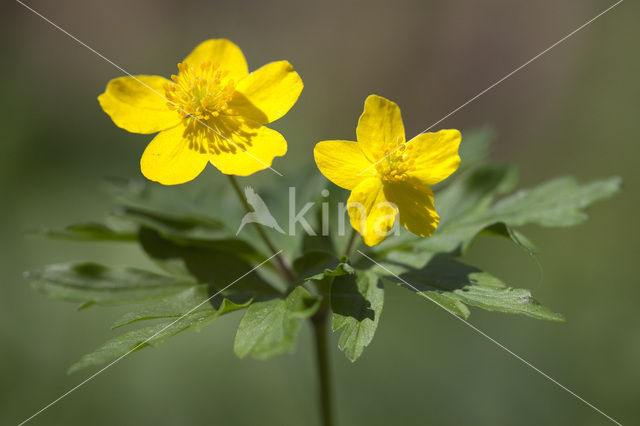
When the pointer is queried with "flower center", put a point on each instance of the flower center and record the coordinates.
(201, 92)
(396, 161)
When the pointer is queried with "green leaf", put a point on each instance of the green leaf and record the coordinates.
(313, 261)
(483, 294)
(356, 302)
(471, 193)
(503, 230)
(318, 265)
(322, 223)
(206, 265)
(179, 304)
(89, 232)
(445, 279)
(170, 203)
(135, 340)
(475, 189)
(340, 269)
(269, 328)
(91, 283)
(178, 229)
(447, 301)
(559, 202)
(475, 147)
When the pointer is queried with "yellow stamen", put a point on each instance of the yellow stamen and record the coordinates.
(396, 161)
(202, 92)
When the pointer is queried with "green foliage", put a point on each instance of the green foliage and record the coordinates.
(132, 341)
(356, 302)
(178, 304)
(559, 202)
(191, 238)
(269, 328)
(452, 285)
(91, 283)
(187, 310)
(215, 262)
(89, 232)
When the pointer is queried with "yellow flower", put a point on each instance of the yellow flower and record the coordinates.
(212, 111)
(387, 176)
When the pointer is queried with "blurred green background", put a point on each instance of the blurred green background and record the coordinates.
(573, 111)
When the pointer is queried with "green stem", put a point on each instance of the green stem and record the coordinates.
(353, 242)
(320, 329)
(280, 261)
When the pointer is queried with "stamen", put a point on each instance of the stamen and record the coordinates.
(202, 91)
(397, 161)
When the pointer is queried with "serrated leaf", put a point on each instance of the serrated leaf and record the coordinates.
(356, 302)
(341, 269)
(92, 283)
(170, 203)
(559, 202)
(178, 304)
(135, 340)
(471, 192)
(269, 328)
(318, 265)
(206, 265)
(446, 301)
(475, 190)
(453, 279)
(89, 232)
(504, 299)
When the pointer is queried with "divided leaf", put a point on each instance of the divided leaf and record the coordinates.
(475, 190)
(193, 299)
(91, 283)
(356, 302)
(170, 203)
(340, 269)
(559, 202)
(135, 340)
(452, 284)
(269, 328)
(205, 265)
(203, 256)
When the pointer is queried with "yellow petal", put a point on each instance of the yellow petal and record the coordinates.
(435, 155)
(243, 147)
(223, 52)
(417, 212)
(171, 158)
(379, 127)
(268, 93)
(341, 162)
(370, 211)
(137, 104)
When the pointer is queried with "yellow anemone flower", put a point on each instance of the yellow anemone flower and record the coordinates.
(387, 176)
(213, 111)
